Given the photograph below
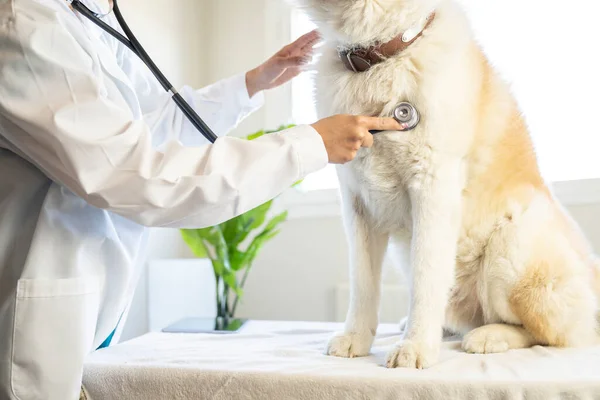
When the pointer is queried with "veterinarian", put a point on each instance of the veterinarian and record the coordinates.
(92, 152)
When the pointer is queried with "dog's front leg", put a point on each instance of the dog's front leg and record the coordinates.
(367, 249)
(436, 213)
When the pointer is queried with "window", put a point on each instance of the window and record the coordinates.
(548, 51)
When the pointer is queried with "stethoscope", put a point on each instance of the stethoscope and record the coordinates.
(405, 113)
(132, 43)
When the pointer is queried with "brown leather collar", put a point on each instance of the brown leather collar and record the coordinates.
(361, 59)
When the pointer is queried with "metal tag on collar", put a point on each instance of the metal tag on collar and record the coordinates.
(412, 32)
(357, 63)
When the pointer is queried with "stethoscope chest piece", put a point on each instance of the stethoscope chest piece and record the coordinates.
(405, 113)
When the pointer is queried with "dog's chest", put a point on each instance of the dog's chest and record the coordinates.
(380, 178)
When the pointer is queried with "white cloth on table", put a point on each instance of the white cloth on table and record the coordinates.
(285, 360)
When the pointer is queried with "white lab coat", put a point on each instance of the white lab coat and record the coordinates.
(93, 151)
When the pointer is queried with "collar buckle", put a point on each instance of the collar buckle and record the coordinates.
(360, 60)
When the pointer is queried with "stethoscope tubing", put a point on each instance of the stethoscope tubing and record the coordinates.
(131, 42)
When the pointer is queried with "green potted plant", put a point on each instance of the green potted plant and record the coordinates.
(232, 247)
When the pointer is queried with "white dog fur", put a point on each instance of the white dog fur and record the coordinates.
(459, 201)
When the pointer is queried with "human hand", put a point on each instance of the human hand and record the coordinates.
(283, 66)
(344, 135)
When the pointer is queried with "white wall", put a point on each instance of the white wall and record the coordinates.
(173, 36)
(242, 34)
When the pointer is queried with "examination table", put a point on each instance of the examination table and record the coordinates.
(285, 360)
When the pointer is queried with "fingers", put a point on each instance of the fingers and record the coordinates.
(367, 140)
(290, 62)
(381, 124)
(306, 41)
(361, 138)
(302, 45)
(309, 46)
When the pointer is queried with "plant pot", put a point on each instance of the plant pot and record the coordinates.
(206, 325)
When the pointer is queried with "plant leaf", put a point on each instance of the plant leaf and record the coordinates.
(222, 250)
(230, 229)
(231, 281)
(236, 259)
(276, 220)
(219, 255)
(194, 242)
(258, 134)
(255, 135)
(237, 229)
(281, 128)
(219, 268)
(267, 234)
(233, 231)
(259, 214)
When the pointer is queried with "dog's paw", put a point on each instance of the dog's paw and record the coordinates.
(410, 354)
(496, 338)
(483, 345)
(350, 345)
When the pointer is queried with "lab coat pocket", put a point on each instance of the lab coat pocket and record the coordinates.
(55, 322)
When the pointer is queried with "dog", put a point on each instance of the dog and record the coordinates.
(458, 202)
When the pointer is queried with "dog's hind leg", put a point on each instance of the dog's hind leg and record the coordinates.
(550, 302)
(556, 304)
(367, 249)
(497, 338)
(554, 308)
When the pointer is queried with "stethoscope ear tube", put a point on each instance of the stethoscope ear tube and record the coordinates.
(134, 45)
(183, 105)
(86, 12)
